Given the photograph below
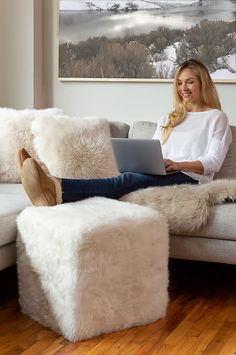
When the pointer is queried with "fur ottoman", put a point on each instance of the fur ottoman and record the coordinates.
(93, 266)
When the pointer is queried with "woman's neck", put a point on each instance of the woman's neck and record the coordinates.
(197, 108)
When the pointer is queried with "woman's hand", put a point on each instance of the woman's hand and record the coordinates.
(193, 166)
(171, 165)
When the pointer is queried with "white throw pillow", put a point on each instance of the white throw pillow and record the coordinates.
(73, 147)
(15, 133)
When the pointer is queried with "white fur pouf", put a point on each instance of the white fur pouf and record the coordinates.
(93, 266)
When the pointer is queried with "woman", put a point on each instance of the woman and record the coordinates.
(195, 138)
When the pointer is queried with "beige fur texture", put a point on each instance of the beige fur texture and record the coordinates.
(73, 147)
(15, 133)
(93, 266)
(187, 207)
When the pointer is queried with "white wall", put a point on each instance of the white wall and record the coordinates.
(116, 101)
(20, 65)
(1, 57)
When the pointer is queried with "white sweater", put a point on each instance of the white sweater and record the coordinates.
(203, 136)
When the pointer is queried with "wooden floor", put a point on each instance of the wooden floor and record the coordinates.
(201, 319)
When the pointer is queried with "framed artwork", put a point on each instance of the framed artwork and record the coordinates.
(141, 40)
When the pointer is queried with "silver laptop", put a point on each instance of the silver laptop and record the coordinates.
(139, 155)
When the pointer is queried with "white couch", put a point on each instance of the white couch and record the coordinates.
(12, 201)
(216, 242)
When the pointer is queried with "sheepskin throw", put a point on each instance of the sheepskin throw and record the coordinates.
(187, 207)
(93, 266)
(73, 147)
(15, 133)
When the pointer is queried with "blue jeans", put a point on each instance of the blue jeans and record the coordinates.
(117, 186)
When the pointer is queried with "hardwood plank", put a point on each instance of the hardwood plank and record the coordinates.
(103, 347)
(225, 332)
(208, 328)
(175, 312)
(230, 344)
(120, 346)
(84, 347)
(16, 350)
(180, 331)
(198, 347)
(12, 338)
(66, 348)
(135, 342)
(54, 348)
(38, 347)
(201, 318)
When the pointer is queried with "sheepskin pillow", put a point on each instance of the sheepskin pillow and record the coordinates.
(15, 132)
(73, 147)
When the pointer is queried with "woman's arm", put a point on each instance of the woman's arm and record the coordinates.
(219, 144)
(193, 166)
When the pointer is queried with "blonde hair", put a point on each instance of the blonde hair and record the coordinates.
(209, 95)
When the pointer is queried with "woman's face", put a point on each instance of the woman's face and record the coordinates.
(189, 87)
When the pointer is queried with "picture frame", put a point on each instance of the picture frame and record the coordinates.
(98, 41)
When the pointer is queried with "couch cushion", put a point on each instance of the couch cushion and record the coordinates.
(228, 169)
(15, 133)
(221, 223)
(142, 129)
(13, 200)
(74, 147)
(119, 129)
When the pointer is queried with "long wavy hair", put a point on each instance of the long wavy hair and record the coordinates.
(208, 92)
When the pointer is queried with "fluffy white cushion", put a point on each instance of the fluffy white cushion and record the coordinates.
(93, 266)
(15, 132)
(74, 147)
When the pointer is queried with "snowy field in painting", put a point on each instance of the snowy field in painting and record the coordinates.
(219, 74)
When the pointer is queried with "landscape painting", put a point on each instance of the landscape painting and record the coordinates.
(145, 39)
